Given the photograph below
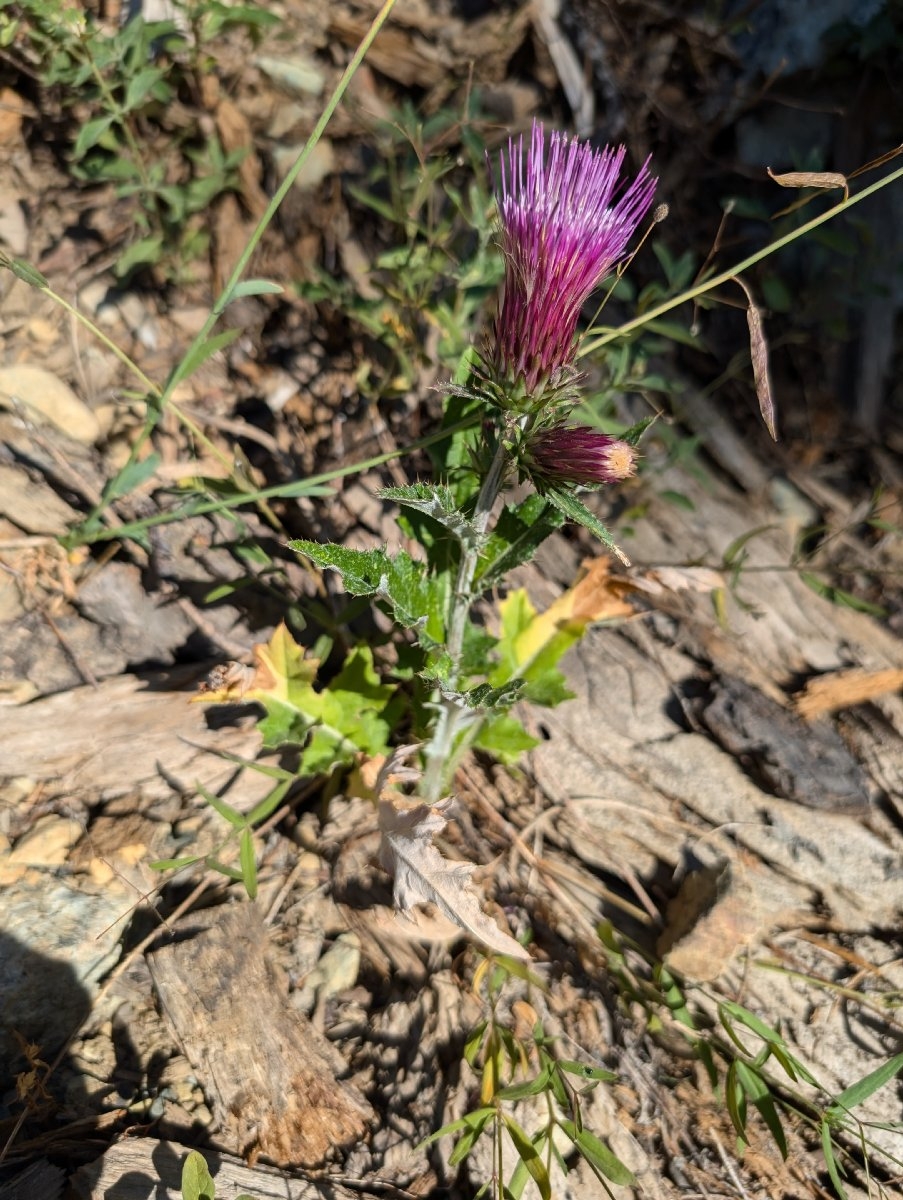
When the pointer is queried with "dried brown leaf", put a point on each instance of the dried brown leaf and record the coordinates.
(843, 689)
(758, 351)
(814, 179)
(423, 876)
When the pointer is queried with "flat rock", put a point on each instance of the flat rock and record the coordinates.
(129, 733)
(56, 944)
(33, 505)
(47, 397)
(143, 626)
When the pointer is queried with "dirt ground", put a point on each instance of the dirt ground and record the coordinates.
(725, 790)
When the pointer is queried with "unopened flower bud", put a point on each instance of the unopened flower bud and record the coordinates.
(578, 454)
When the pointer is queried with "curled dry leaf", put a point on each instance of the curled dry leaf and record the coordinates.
(758, 350)
(596, 595)
(227, 683)
(423, 876)
(844, 689)
(814, 179)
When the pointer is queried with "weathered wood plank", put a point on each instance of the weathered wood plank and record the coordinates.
(144, 1169)
(269, 1075)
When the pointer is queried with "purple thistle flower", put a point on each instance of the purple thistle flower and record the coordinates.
(562, 232)
(577, 454)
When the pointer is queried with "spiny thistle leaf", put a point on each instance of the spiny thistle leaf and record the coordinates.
(438, 502)
(417, 601)
(520, 530)
(575, 510)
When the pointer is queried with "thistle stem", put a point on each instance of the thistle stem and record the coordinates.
(440, 752)
(470, 556)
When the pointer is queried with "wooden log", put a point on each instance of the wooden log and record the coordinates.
(141, 1168)
(269, 1076)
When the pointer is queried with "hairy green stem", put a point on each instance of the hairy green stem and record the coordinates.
(452, 719)
(470, 556)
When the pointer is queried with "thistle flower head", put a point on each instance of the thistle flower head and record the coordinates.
(562, 231)
(578, 454)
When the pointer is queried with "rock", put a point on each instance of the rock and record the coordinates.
(12, 109)
(43, 395)
(13, 227)
(320, 164)
(33, 505)
(47, 843)
(144, 628)
(297, 74)
(56, 944)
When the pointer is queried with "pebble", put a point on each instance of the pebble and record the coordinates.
(297, 74)
(47, 843)
(44, 395)
(320, 164)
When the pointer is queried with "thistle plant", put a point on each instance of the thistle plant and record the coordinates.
(566, 217)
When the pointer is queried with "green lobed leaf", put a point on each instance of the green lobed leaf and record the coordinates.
(333, 724)
(529, 650)
(503, 736)
(197, 1182)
